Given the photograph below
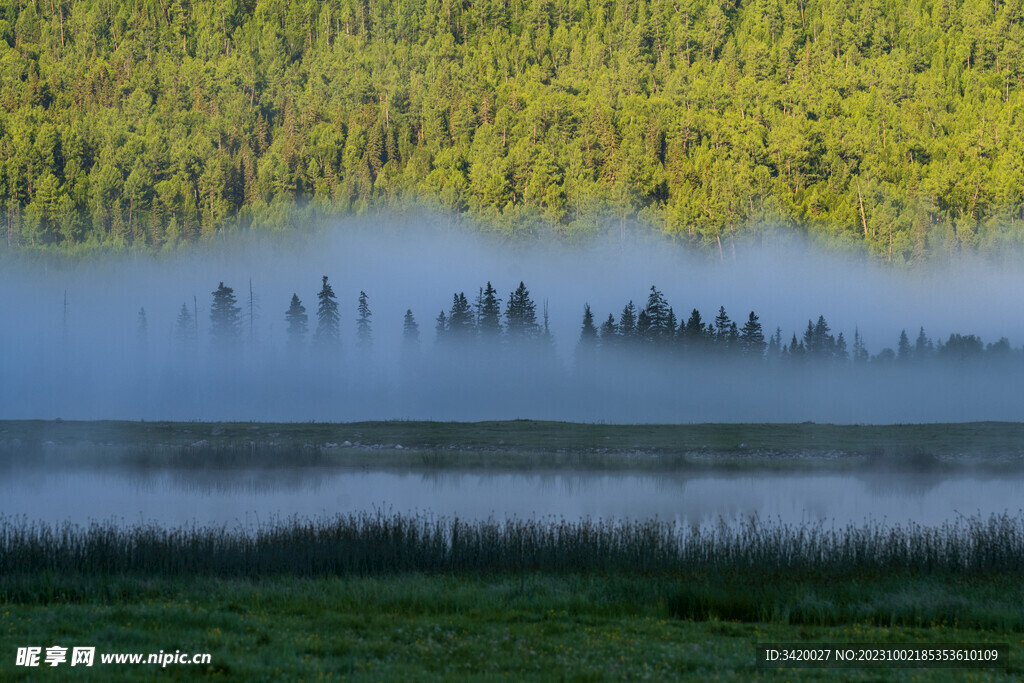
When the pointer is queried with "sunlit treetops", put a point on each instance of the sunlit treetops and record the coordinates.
(889, 127)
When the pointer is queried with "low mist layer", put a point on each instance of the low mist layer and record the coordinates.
(140, 338)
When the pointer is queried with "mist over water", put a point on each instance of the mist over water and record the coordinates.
(252, 497)
(88, 360)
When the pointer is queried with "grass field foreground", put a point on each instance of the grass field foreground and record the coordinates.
(417, 627)
(372, 598)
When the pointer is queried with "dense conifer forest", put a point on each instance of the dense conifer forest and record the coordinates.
(870, 124)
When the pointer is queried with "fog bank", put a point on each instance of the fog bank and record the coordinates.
(88, 359)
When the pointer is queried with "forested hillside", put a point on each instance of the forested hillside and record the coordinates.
(150, 123)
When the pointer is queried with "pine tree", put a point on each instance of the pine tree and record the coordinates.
(185, 326)
(860, 353)
(826, 342)
(722, 325)
(441, 326)
(751, 339)
(840, 350)
(225, 318)
(694, 333)
(489, 314)
(547, 339)
(609, 332)
(817, 340)
(364, 331)
(328, 321)
(298, 321)
(460, 318)
(478, 304)
(775, 345)
(904, 352)
(643, 327)
(797, 350)
(657, 310)
(808, 340)
(588, 333)
(521, 315)
(410, 331)
(923, 347)
(627, 322)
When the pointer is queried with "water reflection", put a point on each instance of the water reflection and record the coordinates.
(233, 497)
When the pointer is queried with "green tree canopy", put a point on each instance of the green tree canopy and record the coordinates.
(886, 127)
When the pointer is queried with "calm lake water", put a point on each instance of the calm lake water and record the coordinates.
(252, 497)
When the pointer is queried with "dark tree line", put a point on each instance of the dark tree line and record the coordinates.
(226, 321)
(483, 320)
(655, 328)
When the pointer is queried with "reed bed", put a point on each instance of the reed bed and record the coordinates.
(384, 544)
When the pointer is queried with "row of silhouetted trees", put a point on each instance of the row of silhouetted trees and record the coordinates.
(657, 326)
(226, 319)
(489, 319)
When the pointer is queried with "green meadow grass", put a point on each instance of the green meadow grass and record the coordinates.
(578, 627)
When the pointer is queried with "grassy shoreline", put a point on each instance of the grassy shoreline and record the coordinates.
(375, 544)
(512, 444)
(392, 599)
